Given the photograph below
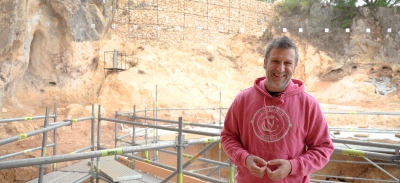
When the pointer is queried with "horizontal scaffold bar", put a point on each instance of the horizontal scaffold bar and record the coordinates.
(372, 155)
(99, 153)
(24, 118)
(159, 127)
(169, 109)
(362, 113)
(365, 143)
(36, 132)
(366, 130)
(24, 152)
(83, 155)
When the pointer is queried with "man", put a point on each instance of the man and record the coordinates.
(275, 131)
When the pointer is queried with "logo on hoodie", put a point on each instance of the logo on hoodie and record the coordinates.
(271, 123)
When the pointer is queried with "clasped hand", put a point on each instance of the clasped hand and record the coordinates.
(258, 167)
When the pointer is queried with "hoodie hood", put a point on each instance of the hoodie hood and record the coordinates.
(295, 86)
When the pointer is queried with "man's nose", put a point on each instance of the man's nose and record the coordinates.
(281, 67)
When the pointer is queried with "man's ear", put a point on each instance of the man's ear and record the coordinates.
(265, 63)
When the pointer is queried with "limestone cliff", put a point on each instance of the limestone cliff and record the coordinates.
(53, 51)
(49, 48)
(197, 53)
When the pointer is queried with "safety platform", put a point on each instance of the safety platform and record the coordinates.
(109, 168)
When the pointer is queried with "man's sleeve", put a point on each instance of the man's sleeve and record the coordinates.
(319, 145)
(230, 137)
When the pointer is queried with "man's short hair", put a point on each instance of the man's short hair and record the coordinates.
(284, 43)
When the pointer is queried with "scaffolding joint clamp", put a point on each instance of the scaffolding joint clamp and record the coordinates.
(184, 143)
(68, 120)
(133, 116)
(396, 159)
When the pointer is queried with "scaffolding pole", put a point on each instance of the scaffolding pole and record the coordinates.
(361, 162)
(187, 123)
(24, 152)
(220, 124)
(96, 169)
(205, 149)
(155, 122)
(160, 127)
(354, 178)
(372, 155)
(180, 147)
(44, 143)
(203, 177)
(362, 113)
(170, 109)
(91, 171)
(116, 133)
(82, 149)
(371, 130)
(219, 167)
(226, 165)
(1, 101)
(82, 155)
(133, 128)
(365, 143)
(146, 153)
(55, 136)
(373, 163)
(24, 119)
(36, 132)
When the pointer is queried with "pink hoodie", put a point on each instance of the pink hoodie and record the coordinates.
(290, 126)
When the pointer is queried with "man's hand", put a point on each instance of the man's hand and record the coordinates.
(256, 165)
(284, 168)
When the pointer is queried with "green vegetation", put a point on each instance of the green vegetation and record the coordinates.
(381, 3)
(346, 10)
(296, 6)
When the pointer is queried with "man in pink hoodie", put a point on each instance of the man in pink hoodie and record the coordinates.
(275, 131)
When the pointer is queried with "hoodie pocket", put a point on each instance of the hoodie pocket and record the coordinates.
(267, 156)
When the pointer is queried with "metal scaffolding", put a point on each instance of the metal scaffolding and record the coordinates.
(128, 145)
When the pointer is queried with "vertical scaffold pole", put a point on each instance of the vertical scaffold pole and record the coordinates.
(146, 153)
(132, 164)
(180, 152)
(220, 123)
(195, 157)
(55, 137)
(156, 139)
(220, 106)
(92, 144)
(231, 173)
(44, 142)
(98, 145)
(154, 130)
(1, 102)
(116, 134)
(115, 62)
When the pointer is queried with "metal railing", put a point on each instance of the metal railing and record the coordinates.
(392, 158)
(133, 117)
(44, 160)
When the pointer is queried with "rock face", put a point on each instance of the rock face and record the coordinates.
(54, 51)
(197, 53)
(42, 48)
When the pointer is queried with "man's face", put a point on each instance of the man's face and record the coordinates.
(279, 69)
